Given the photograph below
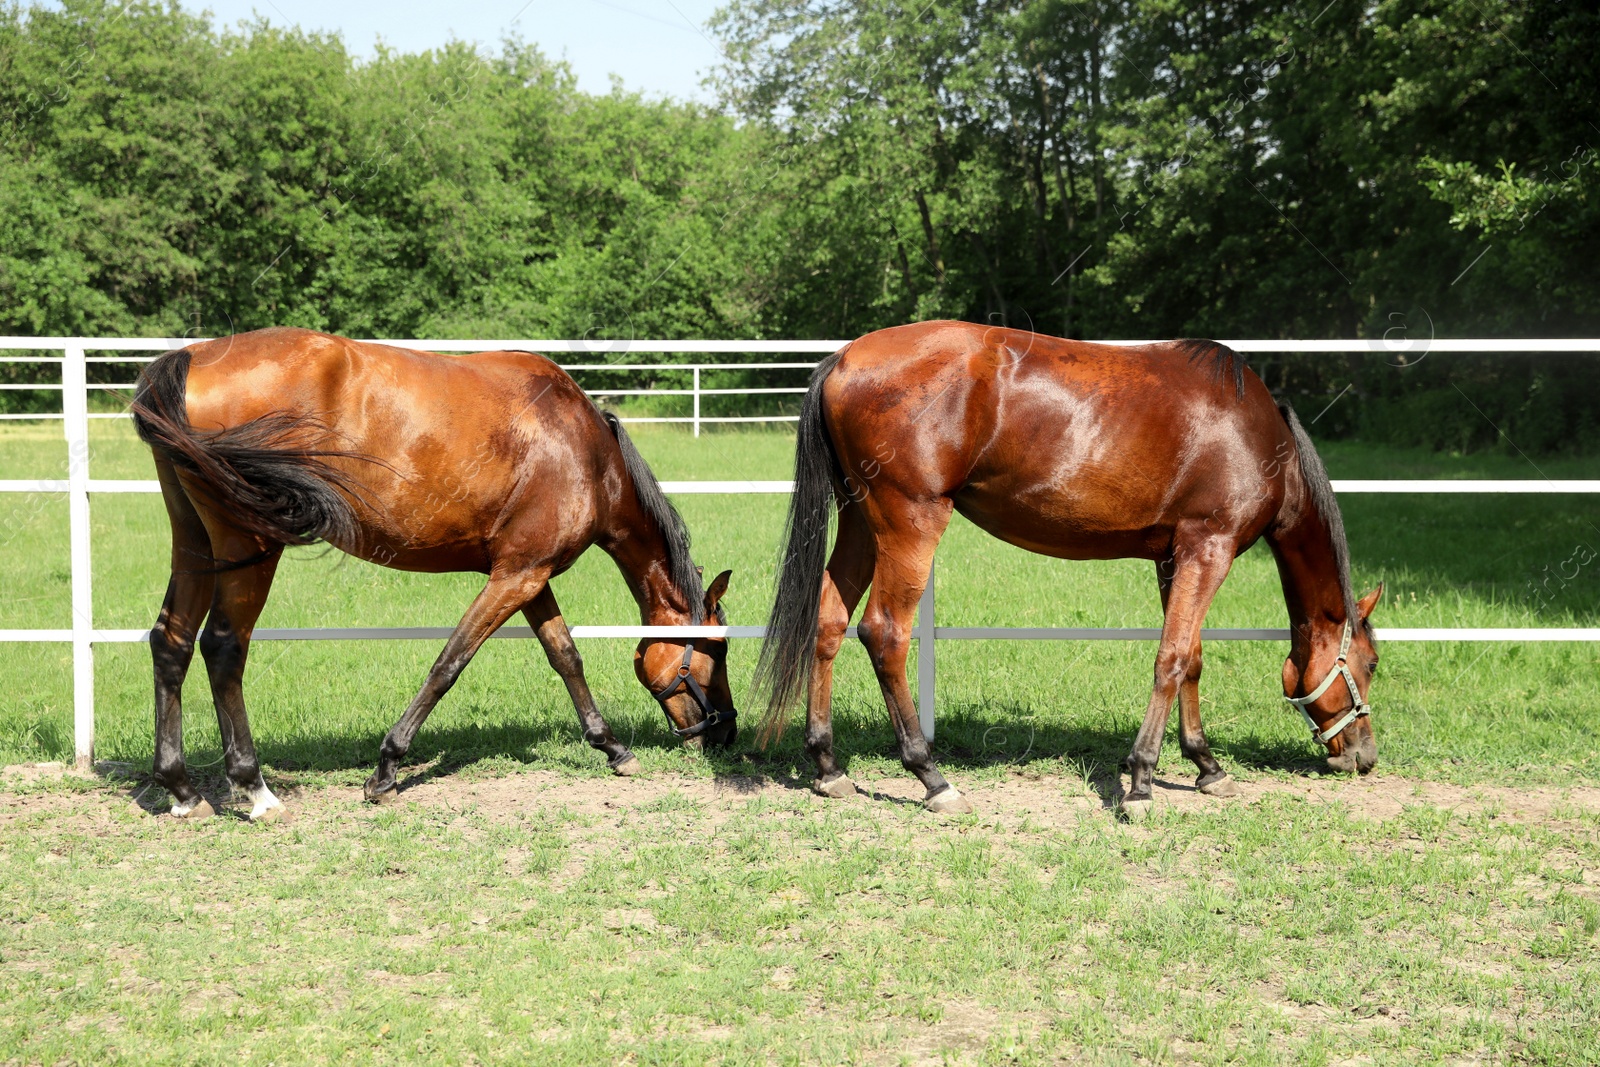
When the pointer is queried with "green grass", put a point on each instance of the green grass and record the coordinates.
(785, 930)
(567, 917)
(1454, 710)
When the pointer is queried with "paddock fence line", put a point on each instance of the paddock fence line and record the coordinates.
(75, 415)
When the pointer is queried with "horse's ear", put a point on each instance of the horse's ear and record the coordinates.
(719, 586)
(1370, 601)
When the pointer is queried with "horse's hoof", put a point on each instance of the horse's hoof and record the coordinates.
(949, 801)
(380, 796)
(201, 809)
(1219, 787)
(839, 787)
(1137, 810)
(278, 813)
(628, 767)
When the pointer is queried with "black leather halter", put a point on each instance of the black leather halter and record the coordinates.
(708, 716)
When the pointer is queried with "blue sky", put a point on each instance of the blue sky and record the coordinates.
(657, 46)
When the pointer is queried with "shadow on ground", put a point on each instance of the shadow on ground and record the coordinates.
(969, 739)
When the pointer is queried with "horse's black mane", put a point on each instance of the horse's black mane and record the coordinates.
(1223, 360)
(685, 575)
(1315, 476)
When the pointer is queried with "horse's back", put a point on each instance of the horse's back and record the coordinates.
(456, 446)
(288, 369)
(1063, 447)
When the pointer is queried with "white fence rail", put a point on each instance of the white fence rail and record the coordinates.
(78, 486)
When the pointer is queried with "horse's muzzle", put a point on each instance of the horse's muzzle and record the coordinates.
(1360, 752)
(723, 732)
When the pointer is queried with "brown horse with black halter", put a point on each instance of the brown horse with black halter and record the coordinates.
(1172, 452)
(495, 463)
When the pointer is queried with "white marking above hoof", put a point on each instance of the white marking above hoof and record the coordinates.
(1137, 810)
(200, 809)
(949, 801)
(1222, 787)
(264, 806)
(838, 788)
(271, 815)
(628, 767)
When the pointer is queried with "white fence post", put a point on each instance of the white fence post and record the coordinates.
(75, 409)
(925, 668)
(697, 401)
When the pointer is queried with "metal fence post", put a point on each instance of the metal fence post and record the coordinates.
(75, 409)
(925, 659)
(697, 401)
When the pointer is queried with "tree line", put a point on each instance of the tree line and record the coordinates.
(1092, 168)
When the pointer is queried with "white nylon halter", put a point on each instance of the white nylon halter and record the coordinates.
(1339, 668)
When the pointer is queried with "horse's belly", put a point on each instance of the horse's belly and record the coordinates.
(426, 558)
(1068, 525)
(389, 541)
(421, 525)
(471, 524)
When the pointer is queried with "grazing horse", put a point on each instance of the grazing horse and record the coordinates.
(495, 463)
(1171, 452)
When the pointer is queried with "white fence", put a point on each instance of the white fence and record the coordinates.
(75, 416)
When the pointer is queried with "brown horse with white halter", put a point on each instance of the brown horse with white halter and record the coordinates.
(1172, 452)
(495, 463)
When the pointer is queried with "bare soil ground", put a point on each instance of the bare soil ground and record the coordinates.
(1044, 800)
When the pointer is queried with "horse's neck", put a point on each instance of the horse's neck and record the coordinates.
(1309, 569)
(642, 559)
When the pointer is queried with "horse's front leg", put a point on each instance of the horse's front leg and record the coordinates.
(544, 615)
(1198, 568)
(503, 597)
(1212, 780)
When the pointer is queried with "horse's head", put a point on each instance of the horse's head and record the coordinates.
(689, 679)
(1330, 689)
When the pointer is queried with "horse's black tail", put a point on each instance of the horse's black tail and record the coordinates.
(783, 672)
(673, 529)
(262, 473)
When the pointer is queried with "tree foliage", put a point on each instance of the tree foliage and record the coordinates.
(160, 177)
(1404, 169)
(1115, 167)
(1103, 168)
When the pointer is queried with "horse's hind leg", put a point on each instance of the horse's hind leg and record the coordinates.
(1198, 571)
(241, 593)
(172, 640)
(503, 597)
(843, 584)
(1213, 780)
(905, 546)
(544, 615)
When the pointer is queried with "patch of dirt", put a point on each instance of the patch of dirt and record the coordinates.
(626, 918)
(1047, 802)
(960, 1035)
(31, 772)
